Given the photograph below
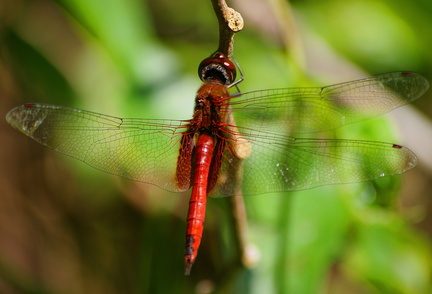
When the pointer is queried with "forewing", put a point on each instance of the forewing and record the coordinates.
(137, 149)
(308, 110)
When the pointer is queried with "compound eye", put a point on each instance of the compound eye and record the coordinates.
(229, 66)
(217, 68)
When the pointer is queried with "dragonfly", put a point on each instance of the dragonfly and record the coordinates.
(259, 131)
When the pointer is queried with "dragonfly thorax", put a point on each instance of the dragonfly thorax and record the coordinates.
(210, 110)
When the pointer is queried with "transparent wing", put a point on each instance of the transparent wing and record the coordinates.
(308, 110)
(148, 150)
(273, 163)
(138, 149)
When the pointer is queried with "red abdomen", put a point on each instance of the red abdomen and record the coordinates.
(197, 205)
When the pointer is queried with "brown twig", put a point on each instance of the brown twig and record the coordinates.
(238, 211)
(230, 22)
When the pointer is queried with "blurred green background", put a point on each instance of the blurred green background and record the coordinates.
(66, 228)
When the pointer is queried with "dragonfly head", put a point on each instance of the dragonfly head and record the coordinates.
(217, 69)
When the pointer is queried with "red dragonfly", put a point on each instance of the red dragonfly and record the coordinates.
(204, 153)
